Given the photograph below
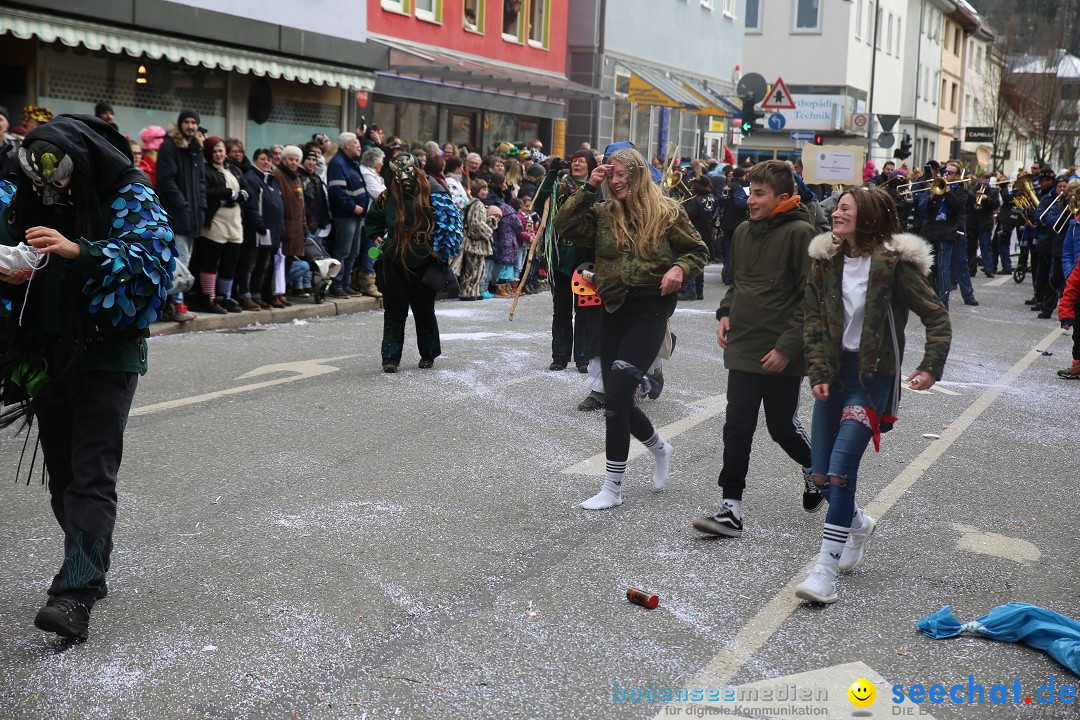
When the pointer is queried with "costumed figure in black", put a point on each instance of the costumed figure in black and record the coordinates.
(573, 335)
(88, 256)
(419, 229)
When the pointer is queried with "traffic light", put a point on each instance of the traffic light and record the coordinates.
(750, 117)
(819, 139)
(904, 151)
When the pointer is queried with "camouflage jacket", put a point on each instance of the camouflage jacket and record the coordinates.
(898, 271)
(580, 222)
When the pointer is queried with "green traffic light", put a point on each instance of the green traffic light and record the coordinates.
(747, 126)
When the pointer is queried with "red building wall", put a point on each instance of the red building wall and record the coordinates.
(452, 35)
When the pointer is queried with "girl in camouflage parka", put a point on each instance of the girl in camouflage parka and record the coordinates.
(864, 280)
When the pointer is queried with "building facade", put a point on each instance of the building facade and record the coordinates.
(841, 62)
(277, 79)
(667, 86)
(472, 72)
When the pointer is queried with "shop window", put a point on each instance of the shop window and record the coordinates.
(430, 10)
(512, 20)
(642, 130)
(621, 130)
(474, 13)
(384, 114)
(461, 129)
(418, 123)
(622, 85)
(539, 12)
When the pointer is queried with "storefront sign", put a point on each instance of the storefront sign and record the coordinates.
(645, 94)
(813, 112)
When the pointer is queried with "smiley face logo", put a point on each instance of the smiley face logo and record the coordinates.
(862, 693)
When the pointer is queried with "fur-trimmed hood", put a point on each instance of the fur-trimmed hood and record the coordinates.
(177, 137)
(910, 248)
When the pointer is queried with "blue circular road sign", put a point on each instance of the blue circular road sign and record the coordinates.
(777, 121)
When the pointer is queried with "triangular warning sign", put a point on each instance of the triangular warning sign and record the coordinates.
(778, 98)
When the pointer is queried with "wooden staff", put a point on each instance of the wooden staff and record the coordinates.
(529, 261)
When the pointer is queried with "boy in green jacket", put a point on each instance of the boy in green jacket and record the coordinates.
(761, 332)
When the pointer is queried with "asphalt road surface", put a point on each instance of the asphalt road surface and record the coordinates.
(302, 536)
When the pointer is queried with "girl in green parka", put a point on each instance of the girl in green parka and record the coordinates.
(645, 247)
(864, 280)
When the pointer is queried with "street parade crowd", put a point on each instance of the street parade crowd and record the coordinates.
(820, 283)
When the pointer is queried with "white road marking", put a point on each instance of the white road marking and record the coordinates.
(301, 370)
(982, 542)
(816, 693)
(768, 620)
(998, 281)
(711, 406)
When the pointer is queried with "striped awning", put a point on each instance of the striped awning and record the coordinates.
(25, 24)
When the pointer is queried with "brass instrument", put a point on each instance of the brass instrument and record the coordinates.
(1052, 204)
(1024, 197)
(937, 186)
(980, 197)
(1070, 212)
(673, 182)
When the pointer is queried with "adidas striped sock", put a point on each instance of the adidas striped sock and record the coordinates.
(833, 539)
(661, 452)
(613, 474)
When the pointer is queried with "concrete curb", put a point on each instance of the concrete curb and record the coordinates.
(302, 308)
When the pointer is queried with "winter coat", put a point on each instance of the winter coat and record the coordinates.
(221, 206)
(702, 211)
(1070, 298)
(316, 201)
(732, 207)
(1070, 249)
(508, 236)
(264, 210)
(442, 241)
(346, 186)
(9, 156)
(929, 206)
(765, 300)
(295, 217)
(477, 231)
(898, 279)
(149, 166)
(983, 217)
(374, 182)
(579, 221)
(180, 182)
(217, 194)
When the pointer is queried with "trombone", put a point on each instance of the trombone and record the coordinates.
(937, 186)
(1052, 204)
(1070, 212)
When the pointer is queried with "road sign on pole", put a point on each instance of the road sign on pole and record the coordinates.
(777, 121)
(859, 121)
(886, 140)
(802, 135)
(778, 98)
(753, 86)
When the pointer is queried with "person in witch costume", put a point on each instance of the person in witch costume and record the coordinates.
(422, 227)
(87, 256)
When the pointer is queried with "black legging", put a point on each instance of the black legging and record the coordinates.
(218, 258)
(403, 290)
(251, 268)
(567, 339)
(632, 335)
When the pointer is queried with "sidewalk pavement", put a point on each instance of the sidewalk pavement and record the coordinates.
(301, 308)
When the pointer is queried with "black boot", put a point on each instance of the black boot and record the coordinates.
(64, 616)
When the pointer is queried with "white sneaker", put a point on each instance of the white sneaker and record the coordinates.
(856, 543)
(609, 496)
(819, 586)
(663, 466)
(16, 258)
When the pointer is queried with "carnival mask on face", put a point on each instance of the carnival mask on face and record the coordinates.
(404, 169)
(50, 169)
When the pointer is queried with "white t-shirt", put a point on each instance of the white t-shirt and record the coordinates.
(856, 278)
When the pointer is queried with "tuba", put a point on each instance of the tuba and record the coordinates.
(1024, 198)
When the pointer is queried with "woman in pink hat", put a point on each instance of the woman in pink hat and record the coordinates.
(151, 140)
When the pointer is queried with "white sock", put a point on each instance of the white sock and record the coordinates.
(610, 494)
(661, 452)
(833, 539)
(857, 520)
(735, 506)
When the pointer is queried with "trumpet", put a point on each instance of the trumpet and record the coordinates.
(1024, 198)
(937, 186)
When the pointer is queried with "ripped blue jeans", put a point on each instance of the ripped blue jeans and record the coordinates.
(839, 435)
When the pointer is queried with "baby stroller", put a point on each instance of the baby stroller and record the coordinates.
(323, 268)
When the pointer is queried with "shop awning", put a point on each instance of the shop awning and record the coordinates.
(430, 63)
(649, 86)
(25, 24)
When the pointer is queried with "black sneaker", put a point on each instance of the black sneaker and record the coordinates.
(426, 363)
(972, 302)
(812, 499)
(583, 368)
(557, 366)
(723, 523)
(594, 401)
(389, 367)
(64, 616)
